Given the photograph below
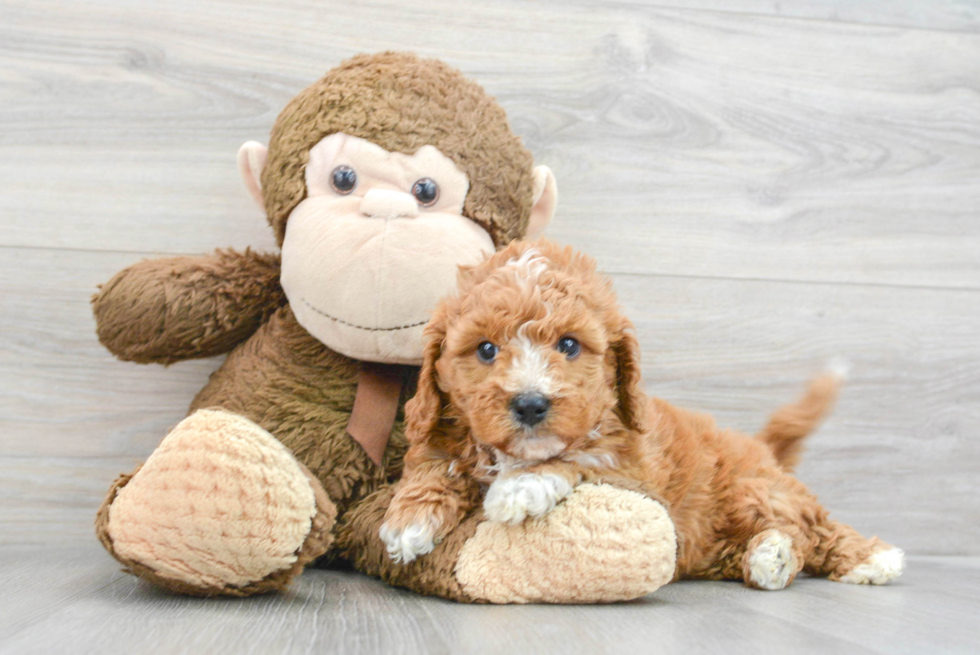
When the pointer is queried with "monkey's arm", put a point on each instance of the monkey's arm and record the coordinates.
(166, 310)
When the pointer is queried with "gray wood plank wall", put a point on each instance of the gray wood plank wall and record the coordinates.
(772, 184)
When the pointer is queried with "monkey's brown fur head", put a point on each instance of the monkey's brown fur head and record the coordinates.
(402, 102)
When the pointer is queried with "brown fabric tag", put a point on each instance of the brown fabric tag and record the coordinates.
(375, 406)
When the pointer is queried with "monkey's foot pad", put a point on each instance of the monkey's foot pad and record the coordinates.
(602, 544)
(221, 507)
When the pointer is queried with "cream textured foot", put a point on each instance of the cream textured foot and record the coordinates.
(771, 564)
(512, 499)
(220, 505)
(603, 544)
(882, 567)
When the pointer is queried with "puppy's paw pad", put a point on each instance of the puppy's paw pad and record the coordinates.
(771, 564)
(882, 567)
(511, 500)
(406, 544)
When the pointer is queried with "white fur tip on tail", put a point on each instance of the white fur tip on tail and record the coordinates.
(840, 368)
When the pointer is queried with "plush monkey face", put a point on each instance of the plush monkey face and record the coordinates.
(381, 180)
(375, 244)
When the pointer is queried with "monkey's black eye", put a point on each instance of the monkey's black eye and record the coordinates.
(426, 191)
(343, 180)
(569, 346)
(486, 352)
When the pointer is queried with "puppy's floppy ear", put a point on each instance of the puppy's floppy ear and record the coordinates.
(629, 382)
(423, 411)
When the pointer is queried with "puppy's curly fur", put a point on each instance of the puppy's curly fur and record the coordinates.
(536, 321)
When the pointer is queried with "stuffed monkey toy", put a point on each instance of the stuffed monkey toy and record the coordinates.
(379, 181)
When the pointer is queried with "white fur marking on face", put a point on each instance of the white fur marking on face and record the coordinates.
(529, 371)
(771, 563)
(414, 540)
(592, 460)
(528, 267)
(881, 567)
(511, 500)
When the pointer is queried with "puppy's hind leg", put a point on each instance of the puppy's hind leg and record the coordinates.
(767, 516)
(843, 555)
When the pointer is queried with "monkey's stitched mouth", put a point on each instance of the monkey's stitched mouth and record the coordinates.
(362, 327)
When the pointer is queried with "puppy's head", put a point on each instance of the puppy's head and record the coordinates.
(532, 355)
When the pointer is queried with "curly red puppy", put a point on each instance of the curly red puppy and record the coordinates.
(531, 385)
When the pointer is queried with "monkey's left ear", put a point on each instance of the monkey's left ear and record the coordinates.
(251, 161)
(545, 202)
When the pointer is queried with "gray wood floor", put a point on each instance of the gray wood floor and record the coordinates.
(79, 602)
(772, 183)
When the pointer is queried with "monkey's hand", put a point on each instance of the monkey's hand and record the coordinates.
(166, 310)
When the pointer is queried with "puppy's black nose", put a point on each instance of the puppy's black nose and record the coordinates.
(529, 408)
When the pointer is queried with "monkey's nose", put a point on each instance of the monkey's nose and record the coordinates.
(385, 203)
(529, 408)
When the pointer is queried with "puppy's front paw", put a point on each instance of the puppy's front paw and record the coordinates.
(407, 543)
(511, 500)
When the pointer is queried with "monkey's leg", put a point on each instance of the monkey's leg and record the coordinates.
(845, 556)
(167, 310)
(220, 508)
(601, 544)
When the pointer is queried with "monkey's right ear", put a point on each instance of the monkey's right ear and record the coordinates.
(251, 161)
(545, 201)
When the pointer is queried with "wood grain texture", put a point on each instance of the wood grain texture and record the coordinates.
(54, 602)
(773, 185)
(898, 457)
(685, 142)
(958, 15)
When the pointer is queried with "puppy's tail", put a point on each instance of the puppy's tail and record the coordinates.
(790, 424)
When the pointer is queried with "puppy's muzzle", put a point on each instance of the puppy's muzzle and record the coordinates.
(529, 408)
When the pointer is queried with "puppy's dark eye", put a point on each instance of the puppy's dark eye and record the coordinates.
(486, 352)
(343, 180)
(569, 346)
(426, 191)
